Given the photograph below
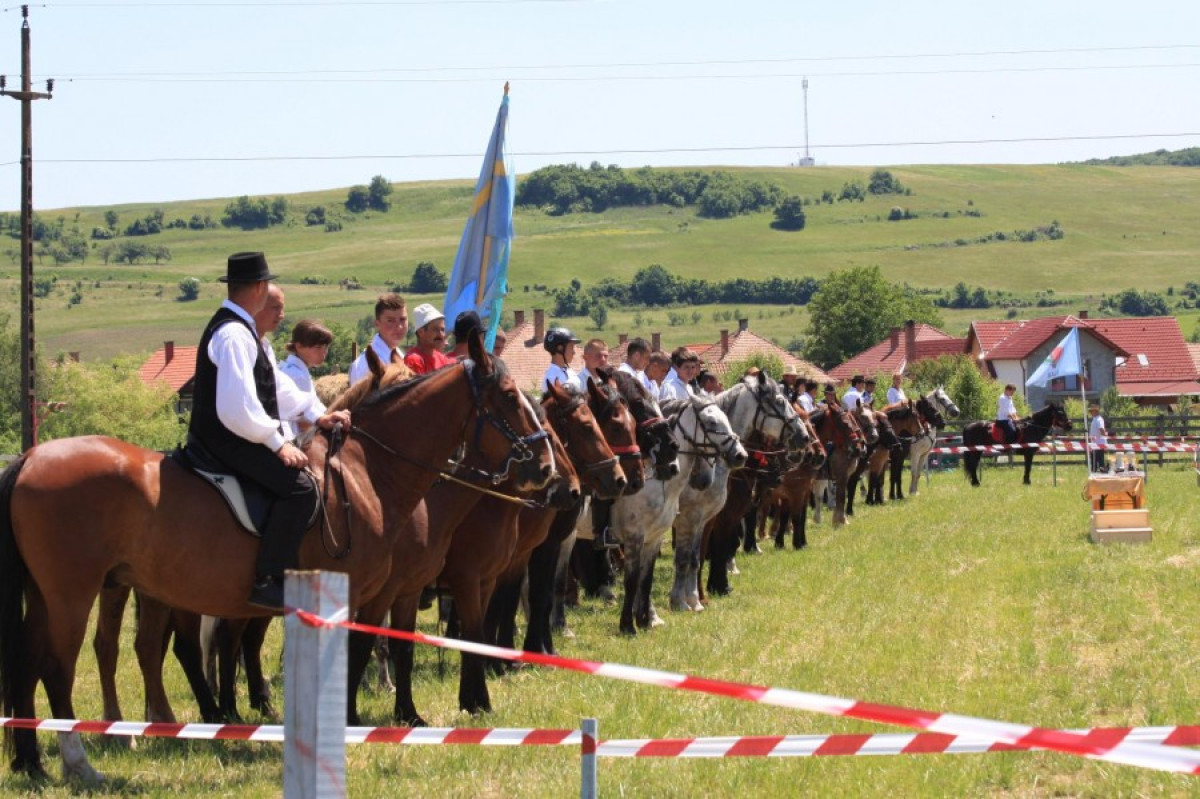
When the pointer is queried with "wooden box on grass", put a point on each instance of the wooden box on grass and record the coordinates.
(1119, 513)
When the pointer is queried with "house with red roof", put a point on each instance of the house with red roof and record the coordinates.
(175, 366)
(739, 346)
(903, 346)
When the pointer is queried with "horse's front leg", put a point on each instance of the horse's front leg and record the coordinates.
(1028, 464)
(107, 646)
(687, 552)
(632, 543)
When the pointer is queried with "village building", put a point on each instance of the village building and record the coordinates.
(903, 346)
(175, 366)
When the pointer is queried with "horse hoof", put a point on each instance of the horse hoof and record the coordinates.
(566, 632)
(656, 621)
(695, 606)
(677, 605)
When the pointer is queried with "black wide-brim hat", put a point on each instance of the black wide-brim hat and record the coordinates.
(247, 267)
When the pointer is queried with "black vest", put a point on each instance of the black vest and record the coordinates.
(205, 425)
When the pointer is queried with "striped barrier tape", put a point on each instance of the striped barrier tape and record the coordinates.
(731, 746)
(1145, 755)
(1064, 446)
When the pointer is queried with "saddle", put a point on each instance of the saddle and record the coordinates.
(249, 502)
(998, 431)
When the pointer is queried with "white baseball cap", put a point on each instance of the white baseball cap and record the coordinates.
(425, 313)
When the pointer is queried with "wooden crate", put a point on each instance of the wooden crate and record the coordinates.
(1128, 526)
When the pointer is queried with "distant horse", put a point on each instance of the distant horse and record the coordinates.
(79, 511)
(933, 409)
(1029, 431)
(875, 462)
(787, 503)
(754, 405)
(845, 444)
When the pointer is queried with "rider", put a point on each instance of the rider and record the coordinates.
(595, 356)
(895, 394)
(560, 343)
(853, 394)
(235, 420)
(427, 356)
(391, 326)
(1006, 414)
(637, 358)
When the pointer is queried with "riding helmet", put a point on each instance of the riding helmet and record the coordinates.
(557, 338)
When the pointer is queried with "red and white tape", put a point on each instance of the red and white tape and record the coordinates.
(1145, 755)
(732, 746)
(1064, 446)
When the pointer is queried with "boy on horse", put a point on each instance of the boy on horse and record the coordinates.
(1006, 414)
(235, 421)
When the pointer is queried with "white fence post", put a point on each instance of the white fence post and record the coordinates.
(314, 694)
(588, 785)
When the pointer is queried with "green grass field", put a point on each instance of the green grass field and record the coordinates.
(989, 602)
(1126, 227)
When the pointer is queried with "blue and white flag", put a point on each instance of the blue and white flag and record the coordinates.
(479, 280)
(1063, 361)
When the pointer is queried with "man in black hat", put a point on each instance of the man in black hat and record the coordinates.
(235, 421)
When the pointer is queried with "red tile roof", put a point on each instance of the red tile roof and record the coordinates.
(178, 373)
(527, 361)
(743, 344)
(1194, 349)
(883, 358)
(1158, 340)
(1033, 333)
(989, 333)
(1158, 388)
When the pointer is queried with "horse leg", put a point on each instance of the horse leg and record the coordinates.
(229, 641)
(799, 523)
(562, 569)
(542, 562)
(404, 617)
(190, 654)
(632, 544)
(500, 620)
(686, 552)
(153, 636)
(252, 645)
(107, 646)
(1028, 464)
(783, 518)
(473, 694)
(839, 501)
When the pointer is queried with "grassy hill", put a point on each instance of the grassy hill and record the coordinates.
(1125, 227)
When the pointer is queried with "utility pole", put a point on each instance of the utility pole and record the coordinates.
(26, 96)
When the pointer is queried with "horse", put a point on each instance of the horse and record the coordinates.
(78, 512)
(933, 409)
(788, 502)
(1030, 431)
(845, 444)
(640, 522)
(876, 459)
(754, 404)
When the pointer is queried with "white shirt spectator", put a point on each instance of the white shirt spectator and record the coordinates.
(806, 401)
(294, 371)
(562, 374)
(234, 350)
(851, 398)
(896, 396)
(359, 369)
(1005, 409)
(1096, 431)
(673, 387)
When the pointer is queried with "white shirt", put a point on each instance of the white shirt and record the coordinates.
(673, 387)
(582, 378)
(1005, 409)
(1097, 430)
(234, 350)
(561, 374)
(896, 395)
(292, 375)
(359, 369)
(647, 383)
(850, 399)
(806, 401)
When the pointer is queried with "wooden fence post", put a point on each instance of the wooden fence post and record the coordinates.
(314, 696)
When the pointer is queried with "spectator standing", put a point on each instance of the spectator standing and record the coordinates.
(307, 349)
(853, 394)
(391, 326)
(1099, 435)
(895, 394)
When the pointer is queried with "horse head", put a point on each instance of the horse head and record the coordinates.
(772, 415)
(930, 414)
(616, 421)
(564, 490)
(865, 419)
(1058, 417)
(573, 420)
(887, 436)
(942, 401)
(653, 430)
(717, 432)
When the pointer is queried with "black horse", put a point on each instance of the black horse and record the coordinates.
(1029, 431)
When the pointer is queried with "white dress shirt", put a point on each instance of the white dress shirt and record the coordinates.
(896, 396)
(292, 376)
(1005, 409)
(359, 369)
(850, 399)
(673, 387)
(560, 374)
(646, 382)
(806, 401)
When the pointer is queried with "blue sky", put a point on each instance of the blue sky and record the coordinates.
(630, 82)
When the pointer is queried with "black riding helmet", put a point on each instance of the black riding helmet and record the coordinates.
(557, 338)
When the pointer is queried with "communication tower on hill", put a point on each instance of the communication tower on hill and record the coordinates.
(806, 159)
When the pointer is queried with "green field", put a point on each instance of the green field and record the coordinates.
(1126, 227)
(988, 602)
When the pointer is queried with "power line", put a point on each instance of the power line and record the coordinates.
(644, 64)
(650, 151)
(297, 4)
(615, 78)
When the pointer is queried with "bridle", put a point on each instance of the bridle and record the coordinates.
(791, 427)
(563, 413)
(613, 403)
(707, 449)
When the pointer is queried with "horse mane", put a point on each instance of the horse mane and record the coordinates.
(357, 392)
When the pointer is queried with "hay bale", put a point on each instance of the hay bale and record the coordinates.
(330, 387)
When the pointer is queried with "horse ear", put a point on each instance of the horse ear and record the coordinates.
(477, 353)
(594, 390)
(374, 364)
(605, 373)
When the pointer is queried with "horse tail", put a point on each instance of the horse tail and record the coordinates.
(13, 573)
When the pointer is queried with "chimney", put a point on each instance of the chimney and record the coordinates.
(895, 337)
(743, 324)
(539, 325)
(655, 342)
(1083, 314)
(622, 338)
(74, 356)
(518, 318)
(910, 341)
(168, 351)
(724, 343)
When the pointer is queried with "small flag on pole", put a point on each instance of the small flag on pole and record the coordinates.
(1063, 361)
(479, 279)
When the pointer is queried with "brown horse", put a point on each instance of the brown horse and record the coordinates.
(446, 515)
(876, 461)
(77, 512)
(844, 445)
